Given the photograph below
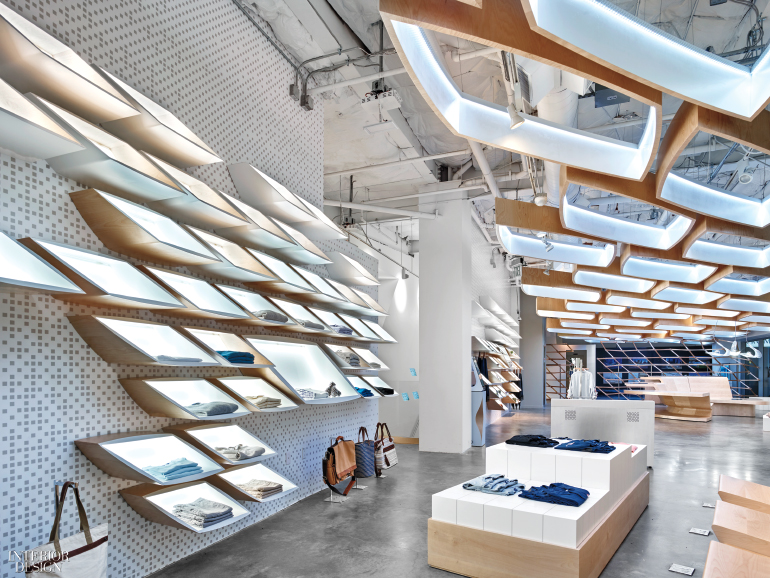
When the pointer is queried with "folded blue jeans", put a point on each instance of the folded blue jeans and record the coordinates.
(560, 494)
(593, 446)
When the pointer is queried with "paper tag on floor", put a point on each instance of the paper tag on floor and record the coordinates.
(700, 532)
(709, 505)
(679, 569)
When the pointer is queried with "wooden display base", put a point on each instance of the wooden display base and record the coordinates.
(481, 554)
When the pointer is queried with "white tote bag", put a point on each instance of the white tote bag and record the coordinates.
(385, 450)
(82, 555)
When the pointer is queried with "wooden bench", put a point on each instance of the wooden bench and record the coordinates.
(743, 493)
(681, 405)
(742, 528)
(725, 561)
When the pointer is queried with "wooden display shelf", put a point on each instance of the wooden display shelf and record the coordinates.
(298, 313)
(494, 405)
(226, 481)
(138, 232)
(165, 397)
(725, 561)
(322, 227)
(328, 318)
(234, 262)
(742, 528)
(333, 352)
(156, 503)
(303, 252)
(207, 437)
(259, 232)
(21, 269)
(377, 382)
(364, 330)
(371, 302)
(743, 493)
(285, 279)
(156, 130)
(358, 381)
(481, 554)
(680, 405)
(325, 294)
(355, 305)
(108, 338)
(210, 339)
(106, 162)
(253, 303)
(112, 454)
(240, 387)
(349, 271)
(272, 378)
(380, 331)
(370, 359)
(199, 298)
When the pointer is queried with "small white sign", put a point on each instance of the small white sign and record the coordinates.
(709, 505)
(679, 569)
(700, 532)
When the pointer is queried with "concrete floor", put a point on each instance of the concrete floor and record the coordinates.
(382, 530)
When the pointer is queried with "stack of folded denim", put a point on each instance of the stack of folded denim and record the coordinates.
(333, 391)
(593, 446)
(342, 329)
(532, 441)
(374, 365)
(263, 401)
(211, 408)
(494, 484)
(261, 489)
(241, 452)
(312, 394)
(351, 359)
(203, 513)
(270, 315)
(363, 391)
(560, 494)
(175, 469)
(237, 356)
(307, 324)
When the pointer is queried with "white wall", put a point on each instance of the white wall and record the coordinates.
(532, 352)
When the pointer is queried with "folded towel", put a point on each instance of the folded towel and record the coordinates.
(270, 315)
(310, 324)
(179, 474)
(174, 469)
(263, 401)
(204, 523)
(312, 394)
(342, 329)
(237, 356)
(374, 365)
(363, 391)
(241, 452)
(203, 508)
(261, 489)
(175, 359)
(212, 408)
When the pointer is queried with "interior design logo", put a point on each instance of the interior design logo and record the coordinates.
(37, 560)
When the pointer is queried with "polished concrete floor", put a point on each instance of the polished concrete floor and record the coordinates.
(382, 530)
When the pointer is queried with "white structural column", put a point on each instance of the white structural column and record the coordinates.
(445, 328)
(532, 352)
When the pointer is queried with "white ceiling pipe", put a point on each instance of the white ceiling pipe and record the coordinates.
(518, 176)
(378, 209)
(425, 194)
(396, 163)
(462, 169)
(559, 106)
(478, 154)
(458, 56)
(624, 124)
(362, 79)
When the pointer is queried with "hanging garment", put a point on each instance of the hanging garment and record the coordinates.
(581, 385)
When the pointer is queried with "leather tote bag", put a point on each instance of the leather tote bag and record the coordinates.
(339, 464)
(82, 555)
(364, 455)
(385, 454)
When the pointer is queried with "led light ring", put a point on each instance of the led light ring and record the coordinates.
(636, 265)
(679, 293)
(563, 252)
(473, 118)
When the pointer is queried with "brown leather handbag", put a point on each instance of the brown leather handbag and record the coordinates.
(339, 464)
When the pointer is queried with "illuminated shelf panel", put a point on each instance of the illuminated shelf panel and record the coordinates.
(491, 305)
(380, 331)
(355, 303)
(199, 298)
(377, 310)
(126, 455)
(156, 130)
(301, 366)
(349, 271)
(370, 358)
(234, 263)
(210, 436)
(157, 504)
(339, 355)
(137, 342)
(246, 388)
(105, 281)
(228, 482)
(136, 231)
(256, 305)
(303, 252)
(325, 293)
(202, 206)
(363, 329)
(300, 314)
(331, 320)
(259, 232)
(379, 384)
(22, 269)
(33, 61)
(28, 131)
(287, 280)
(174, 397)
(356, 381)
(106, 162)
(214, 341)
(322, 228)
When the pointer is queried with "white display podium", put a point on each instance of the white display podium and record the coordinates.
(612, 420)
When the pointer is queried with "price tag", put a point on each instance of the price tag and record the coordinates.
(405, 396)
(708, 505)
(700, 532)
(416, 395)
(679, 569)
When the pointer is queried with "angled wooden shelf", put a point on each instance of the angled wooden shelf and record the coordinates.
(338, 353)
(286, 281)
(202, 206)
(227, 482)
(742, 493)
(33, 61)
(199, 298)
(301, 316)
(171, 396)
(125, 455)
(725, 561)
(325, 293)
(137, 342)
(363, 329)
(370, 358)
(28, 131)
(303, 252)
(105, 281)
(300, 365)
(742, 528)
(156, 504)
(376, 308)
(355, 304)
(322, 228)
(106, 162)
(334, 321)
(136, 231)
(210, 436)
(376, 382)
(349, 271)
(357, 381)
(156, 130)
(22, 270)
(244, 387)
(259, 232)
(235, 262)
(214, 341)
(255, 304)
(380, 331)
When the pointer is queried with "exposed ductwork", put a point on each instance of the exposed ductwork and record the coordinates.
(559, 106)
(478, 154)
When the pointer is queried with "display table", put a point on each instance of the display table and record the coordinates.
(680, 405)
(613, 420)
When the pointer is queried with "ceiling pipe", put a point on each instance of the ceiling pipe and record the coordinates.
(458, 56)
(397, 163)
(478, 154)
(378, 209)
(624, 124)
(360, 80)
(466, 165)
(559, 106)
(425, 194)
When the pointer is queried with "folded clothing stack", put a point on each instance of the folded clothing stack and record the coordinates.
(261, 489)
(494, 484)
(263, 401)
(237, 356)
(342, 329)
(306, 323)
(312, 394)
(363, 391)
(203, 513)
(386, 390)
(241, 452)
(270, 315)
(533, 441)
(178, 359)
(373, 364)
(593, 446)
(351, 359)
(560, 494)
(333, 391)
(211, 408)
(175, 469)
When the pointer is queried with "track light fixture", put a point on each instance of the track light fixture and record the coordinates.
(404, 274)
(516, 118)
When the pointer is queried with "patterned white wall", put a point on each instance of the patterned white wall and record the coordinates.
(205, 62)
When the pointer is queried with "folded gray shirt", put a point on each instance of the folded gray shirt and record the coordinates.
(203, 508)
(241, 452)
